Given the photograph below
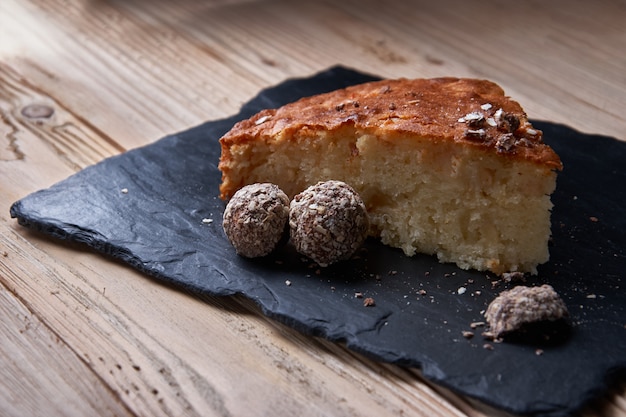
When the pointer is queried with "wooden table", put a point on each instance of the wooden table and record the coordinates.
(82, 80)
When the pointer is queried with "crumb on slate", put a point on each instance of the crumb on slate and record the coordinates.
(369, 302)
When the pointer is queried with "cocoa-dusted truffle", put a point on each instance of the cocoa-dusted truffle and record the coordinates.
(328, 222)
(255, 219)
(523, 305)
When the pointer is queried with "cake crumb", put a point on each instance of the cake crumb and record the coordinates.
(207, 221)
(467, 334)
(288, 283)
(358, 295)
(124, 191)
(369, 302)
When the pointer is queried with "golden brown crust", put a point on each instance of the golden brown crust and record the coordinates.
(469, 112)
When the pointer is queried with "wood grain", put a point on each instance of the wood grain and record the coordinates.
(44, 375)
(82, 80)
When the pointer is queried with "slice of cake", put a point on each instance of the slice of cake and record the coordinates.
(445, 166)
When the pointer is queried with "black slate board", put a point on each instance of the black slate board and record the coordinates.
(157, 227)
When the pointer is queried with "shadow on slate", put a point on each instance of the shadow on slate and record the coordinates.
(172, 185)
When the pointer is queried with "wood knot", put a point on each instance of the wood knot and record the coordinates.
(37, 111)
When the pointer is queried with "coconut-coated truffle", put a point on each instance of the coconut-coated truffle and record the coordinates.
(328, 222)
(255, 219)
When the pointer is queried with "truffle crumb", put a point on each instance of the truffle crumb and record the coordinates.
(523, 305)
(255, 219)
(328, 222)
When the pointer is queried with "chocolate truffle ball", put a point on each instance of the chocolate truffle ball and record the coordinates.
(255, 219)
(328, 222)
